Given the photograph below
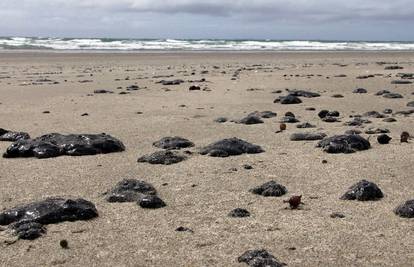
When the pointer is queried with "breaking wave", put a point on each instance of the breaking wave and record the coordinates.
(28, 43)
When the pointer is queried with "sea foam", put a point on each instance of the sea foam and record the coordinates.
(13, 43)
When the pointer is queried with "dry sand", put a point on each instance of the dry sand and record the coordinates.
(126, 235)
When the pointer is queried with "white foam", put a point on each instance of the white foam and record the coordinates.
(195, 45)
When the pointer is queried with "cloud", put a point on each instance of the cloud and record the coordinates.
(190, 18)
(294, 10)
(286, 9)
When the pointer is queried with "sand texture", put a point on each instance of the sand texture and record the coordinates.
(42, 92)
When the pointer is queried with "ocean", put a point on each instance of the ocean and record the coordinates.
(107, 44)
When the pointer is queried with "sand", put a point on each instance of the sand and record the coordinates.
(202, 190)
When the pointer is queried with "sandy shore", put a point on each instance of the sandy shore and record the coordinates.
(202, 190)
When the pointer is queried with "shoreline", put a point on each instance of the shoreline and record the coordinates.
(149, 51)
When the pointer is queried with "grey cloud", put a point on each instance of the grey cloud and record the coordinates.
(368, 9)
(318, 19)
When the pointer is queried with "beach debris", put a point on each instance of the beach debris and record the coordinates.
(132, 87)
(183, 229)
(394, 67)
(64, 244)
(353, 131)
(333, 113)
(288, 100)
(357, 121)
(289, 119)
(294, 201)
(171, 82)
(305, 125)
(344, 143)
(401, 82)
(303, 93)
(376, 131)
(382, 92)
(165, 157)
(54, 145)
(405, 75)
(389, 119)
(230, 147)
(250, 119)
(11, 136)
(247, 167)
(130, 190)
(151, 202)
(373, 114)
(337, 215)
(263, 114)
(392, 95)
(365, 76)
(221, 120)
(259, 258)
(194, 88)
(174, 142)
(330, 119)
(269, 189)
(307, 136)
(239, 213)
(326, 113)
(28, 230)
(363, 191)
(404, 137)
(406, 209)
(360, 91)
(405, 112)
(383, 139)
(102, 91)
(27, 221)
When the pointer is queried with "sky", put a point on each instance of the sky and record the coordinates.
(221, 19)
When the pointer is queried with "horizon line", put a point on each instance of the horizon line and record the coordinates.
(213, 39)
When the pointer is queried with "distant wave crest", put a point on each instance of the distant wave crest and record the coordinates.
(13, 43)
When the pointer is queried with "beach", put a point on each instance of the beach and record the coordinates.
(45, 92)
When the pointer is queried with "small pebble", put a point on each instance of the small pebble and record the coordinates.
(239, 213)
(184, 229)
(337, 215)
(404, 137)
(247, 167)
(64, 244)
(151, 202)
(294, 201)
(383, 139)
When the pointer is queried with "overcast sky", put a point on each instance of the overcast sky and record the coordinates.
(259, 19)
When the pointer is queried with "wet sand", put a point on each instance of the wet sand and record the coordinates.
(202, 190)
